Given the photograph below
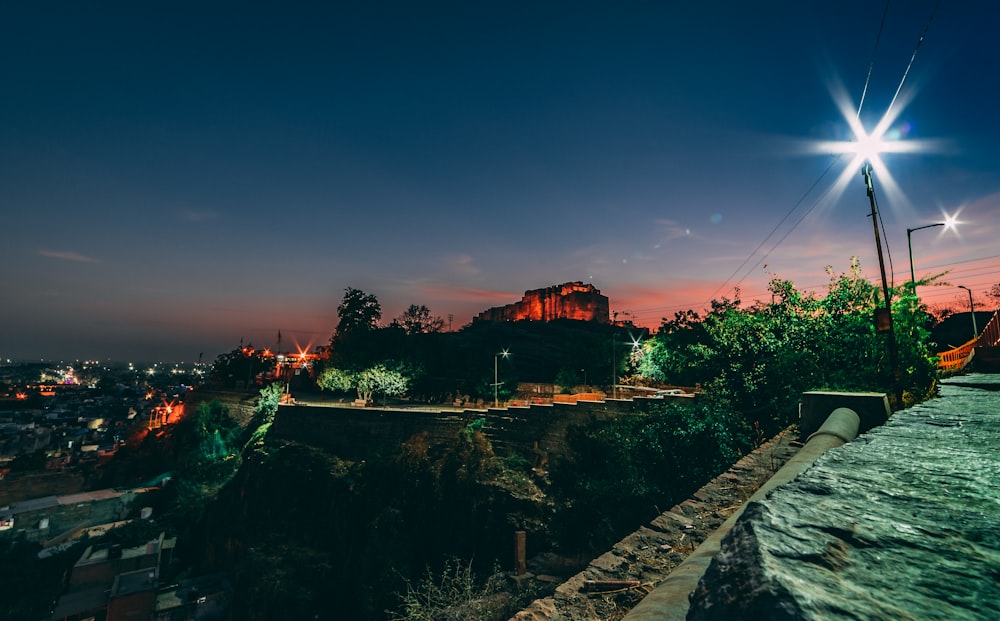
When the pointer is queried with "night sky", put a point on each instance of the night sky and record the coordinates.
(178, 176)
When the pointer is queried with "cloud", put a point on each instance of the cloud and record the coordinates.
(469, 294)
(671, 229)
(462, 264)
(68, 256)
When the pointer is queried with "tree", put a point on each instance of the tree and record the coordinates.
(759, 359)
(239, 367)
(377, 379)
(994, 292)
(267, 403)
(335, 380)
(358, 312)
(355, 343)
(418, 320)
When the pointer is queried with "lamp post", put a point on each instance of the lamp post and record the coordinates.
(972, 311)
(866, 172)
(909, 245)
(496, 381)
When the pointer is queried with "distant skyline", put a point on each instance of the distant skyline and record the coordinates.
(176, 177)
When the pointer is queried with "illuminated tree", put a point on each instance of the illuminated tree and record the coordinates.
(374, 380)
(381, 380)
(336, 380)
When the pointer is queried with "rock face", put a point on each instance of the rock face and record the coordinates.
(571, 300)
(902, 523)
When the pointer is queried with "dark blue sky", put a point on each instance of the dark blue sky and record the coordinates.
(177, 176)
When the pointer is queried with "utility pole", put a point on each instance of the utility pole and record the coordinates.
(866, 172)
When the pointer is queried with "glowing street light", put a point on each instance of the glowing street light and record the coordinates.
(496, 382)
(909, 245)
(972, 311)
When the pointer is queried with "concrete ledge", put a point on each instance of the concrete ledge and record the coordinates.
(816, 405)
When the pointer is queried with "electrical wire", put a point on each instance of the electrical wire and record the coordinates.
(773, 231)
(871, 63)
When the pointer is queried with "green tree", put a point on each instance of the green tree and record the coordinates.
(760, 358)
(335, 380)
(267, 402)
(377, 379)
(380, 380)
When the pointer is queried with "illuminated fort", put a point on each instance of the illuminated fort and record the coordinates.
(571, 300)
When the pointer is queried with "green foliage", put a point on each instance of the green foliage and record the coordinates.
(381, 380)
(335, 380)
(301, 526)
(567, 378)
(378, 379)
(206, 444)
(623, 471)
(759, 359)
(267, 402)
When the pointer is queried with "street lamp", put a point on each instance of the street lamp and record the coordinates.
(972, 311)
(909, 245)
(496, 383)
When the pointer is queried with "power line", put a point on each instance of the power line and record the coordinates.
(773, 231)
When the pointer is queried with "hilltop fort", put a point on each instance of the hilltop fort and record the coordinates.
(571, 300)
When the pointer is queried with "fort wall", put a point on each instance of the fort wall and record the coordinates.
(571, 300)
(537, 430)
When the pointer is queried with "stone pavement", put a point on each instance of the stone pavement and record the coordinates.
(902, 523)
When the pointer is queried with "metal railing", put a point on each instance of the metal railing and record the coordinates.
(956, 359)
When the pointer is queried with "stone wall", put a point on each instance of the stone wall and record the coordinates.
(536, 431)
(241, 405)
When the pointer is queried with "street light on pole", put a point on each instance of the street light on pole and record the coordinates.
(496, 382)
(909, 245)
(972, 311)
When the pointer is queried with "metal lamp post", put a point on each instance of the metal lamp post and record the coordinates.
(972, 311)
(496, 381)
(909, 245)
